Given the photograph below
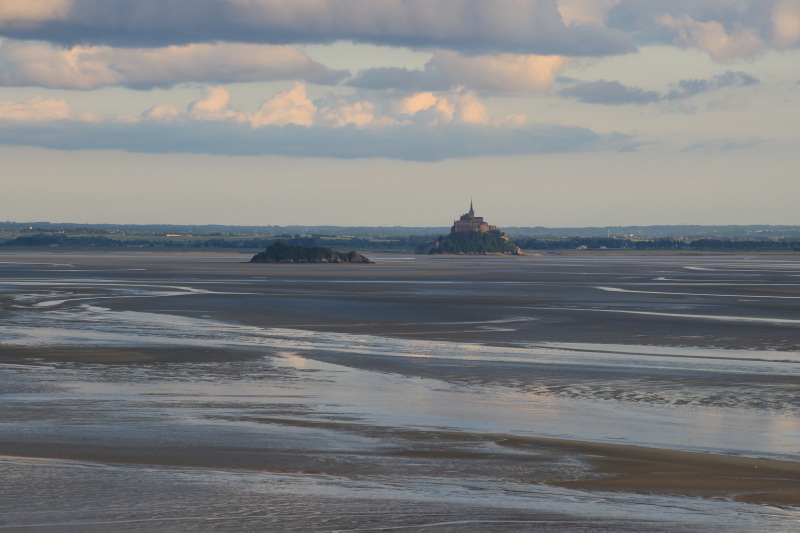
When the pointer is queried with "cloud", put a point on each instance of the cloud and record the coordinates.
(28, 13)
(293, 107)
(477, 26)
(36, 109)
(90, 67)
(503, 73)
(586, 11)
(689, 88)
(725, 29)
(290, 107)
(212, 106)
(786, 21)
(406, 142)
(339, 113)
(609, 93)
(721, 43)
(614, 93)
(162, 112)
(421, 127)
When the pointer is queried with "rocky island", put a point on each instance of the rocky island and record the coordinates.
(471, 235)
(281, 252)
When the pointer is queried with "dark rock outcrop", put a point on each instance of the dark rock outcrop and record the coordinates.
(281, 252)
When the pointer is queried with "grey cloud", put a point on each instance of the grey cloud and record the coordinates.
(475, 26)
(402, 79)
(402, 142)
(501, 73)
(689, 88)
(614, 93)
(609, 93)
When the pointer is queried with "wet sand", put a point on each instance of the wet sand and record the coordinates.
(657, 343)
(613, 467)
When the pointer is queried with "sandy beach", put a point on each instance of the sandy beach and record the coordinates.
(536, 393)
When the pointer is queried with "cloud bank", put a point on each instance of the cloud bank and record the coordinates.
(405, 142)
(420, 127)
(89, 67)
(724, 28)
(492, 46)
(477, 26)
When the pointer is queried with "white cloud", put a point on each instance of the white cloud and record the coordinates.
(721, 43)
(212, 106)
(24, 13)
(36, 109)
(786, 19)
(725, 29)
(504, 73)
(289, 107)
(339, 113)
(294, 107)
(415, 103)
(470, 110)
(162, 112)
(89, 67)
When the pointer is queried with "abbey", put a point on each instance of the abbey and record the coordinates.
(471, 235)
(469, 222)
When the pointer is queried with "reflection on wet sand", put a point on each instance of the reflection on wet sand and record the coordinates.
(508, 394)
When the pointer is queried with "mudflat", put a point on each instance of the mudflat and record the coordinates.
(565, 378)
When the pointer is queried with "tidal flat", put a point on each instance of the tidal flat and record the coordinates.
(571, 392)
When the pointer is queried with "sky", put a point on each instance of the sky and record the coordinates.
(399, 112)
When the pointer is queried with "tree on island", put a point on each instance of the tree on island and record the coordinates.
(473, 242)
(280, 252)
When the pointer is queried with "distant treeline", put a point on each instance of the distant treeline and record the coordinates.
(611, 243)
(408, 242)
(691, 232)
(470, 242)
(215, 229)
(245, 243)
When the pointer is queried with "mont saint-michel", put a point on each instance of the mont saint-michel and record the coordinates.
(471, 234)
